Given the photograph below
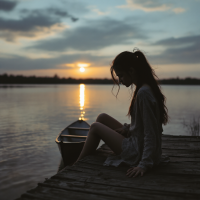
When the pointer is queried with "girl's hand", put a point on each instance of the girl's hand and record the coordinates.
(119, 130)
(122, 131)
(135, 171)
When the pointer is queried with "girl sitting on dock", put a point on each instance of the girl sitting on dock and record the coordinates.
(137, 144)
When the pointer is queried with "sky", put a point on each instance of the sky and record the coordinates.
(80, 38)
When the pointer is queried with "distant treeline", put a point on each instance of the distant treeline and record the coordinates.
(20, 79)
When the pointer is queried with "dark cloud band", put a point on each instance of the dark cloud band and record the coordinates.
(183, 50)
(93, 36)
(32, 23)
(7, 5)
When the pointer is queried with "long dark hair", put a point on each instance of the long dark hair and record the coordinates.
(145, 74)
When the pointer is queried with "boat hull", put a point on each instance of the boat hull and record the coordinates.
(70, 148)
(70, 152)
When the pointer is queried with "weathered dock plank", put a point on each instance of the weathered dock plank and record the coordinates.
(89, 179)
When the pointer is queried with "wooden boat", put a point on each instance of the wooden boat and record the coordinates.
(71, 140)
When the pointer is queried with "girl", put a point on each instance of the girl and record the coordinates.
(137, 144)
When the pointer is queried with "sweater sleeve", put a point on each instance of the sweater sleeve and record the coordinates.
(126, 126)
(146, 107)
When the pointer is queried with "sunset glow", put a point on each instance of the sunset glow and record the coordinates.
(82, 69)
(68, 46)
(82, 65)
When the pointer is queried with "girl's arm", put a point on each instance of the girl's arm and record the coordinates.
(150, 124)
(123, 130)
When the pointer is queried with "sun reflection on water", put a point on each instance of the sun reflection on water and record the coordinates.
(82, 101)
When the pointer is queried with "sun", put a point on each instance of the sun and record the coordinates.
(82, 66)
(82, 69)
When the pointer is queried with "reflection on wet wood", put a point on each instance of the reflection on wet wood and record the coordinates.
(89, 179)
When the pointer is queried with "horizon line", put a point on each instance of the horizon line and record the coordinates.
(58, 77)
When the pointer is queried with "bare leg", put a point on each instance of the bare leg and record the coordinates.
(108, 121)
(109, 136)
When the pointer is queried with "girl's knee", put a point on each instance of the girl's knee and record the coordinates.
(94, 126)
(101, 117)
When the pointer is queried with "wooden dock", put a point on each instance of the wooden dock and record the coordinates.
(89, 179)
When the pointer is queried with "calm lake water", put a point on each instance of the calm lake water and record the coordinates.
(33, 115)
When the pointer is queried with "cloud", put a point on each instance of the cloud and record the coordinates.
(145, 5)
(35, 23)
(96, 35)
(97, 11)
(49, 12)
(187, 40)
(183, 50)
(179, 10)
(27, 23)
(14, 62)
(31, 26)
(150, 6)
(79, 7)
(7, 5)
